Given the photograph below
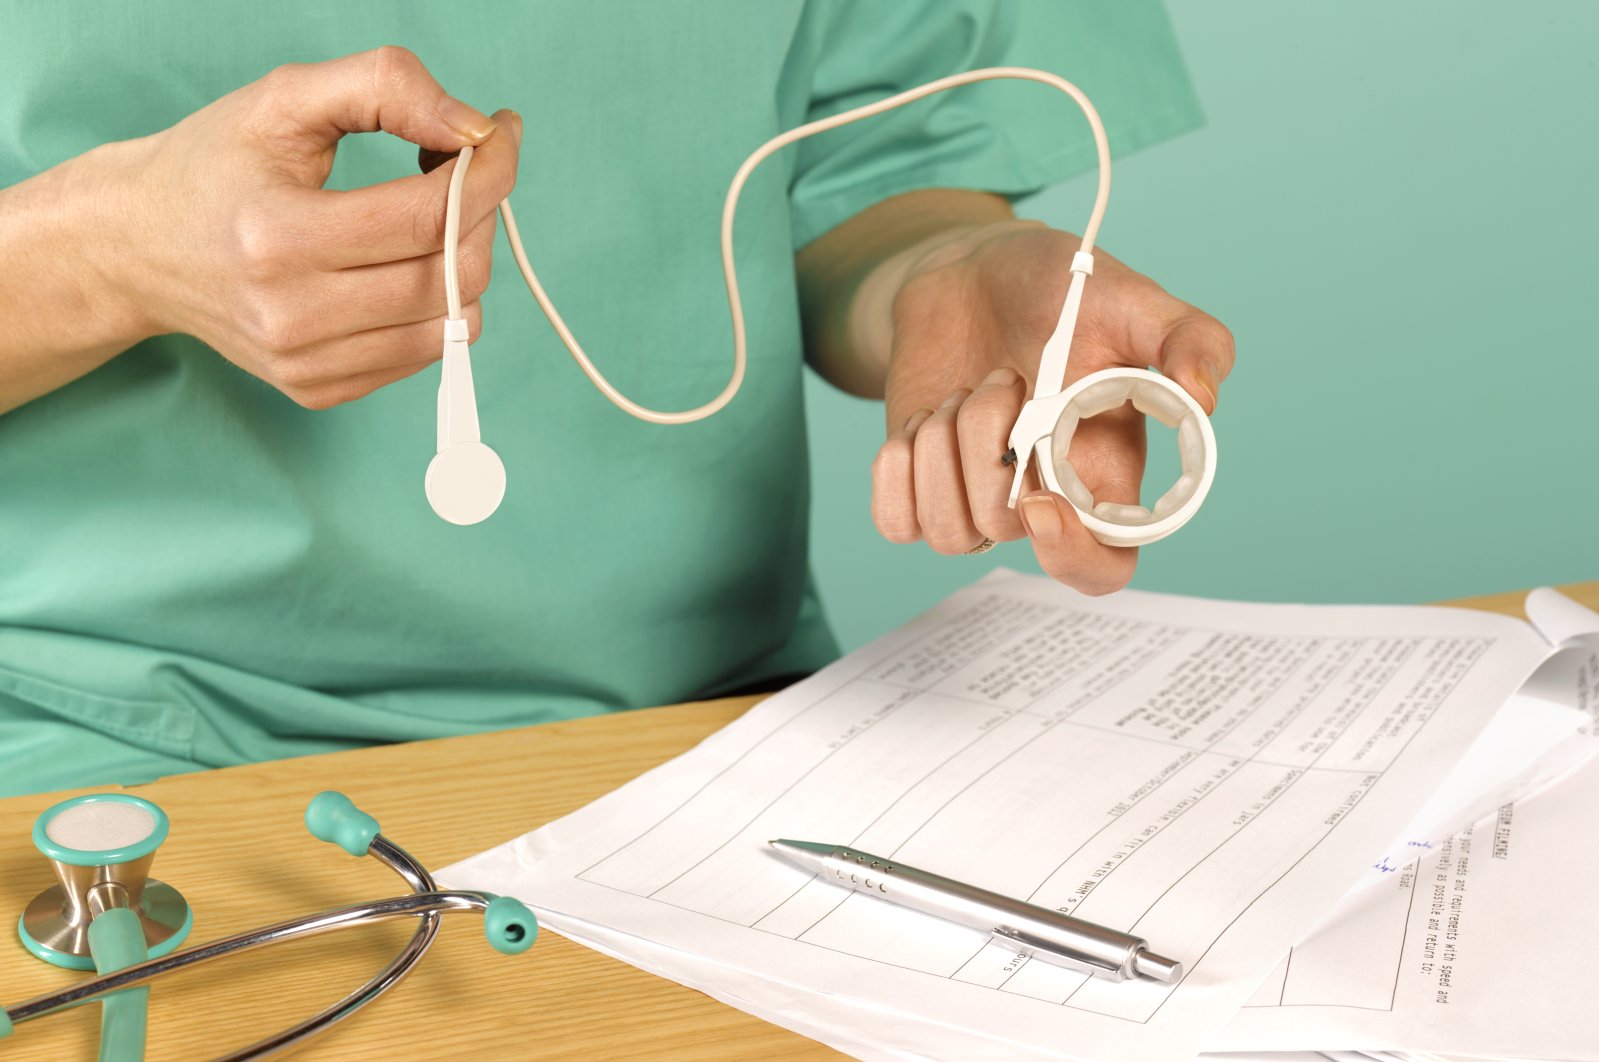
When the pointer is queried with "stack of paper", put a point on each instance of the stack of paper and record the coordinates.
(1225, 780)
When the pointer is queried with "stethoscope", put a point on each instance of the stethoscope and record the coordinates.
(466, 480)
(105, 913)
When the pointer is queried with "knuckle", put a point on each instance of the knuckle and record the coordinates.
(893, 458)
(946, 532)
(258, 243)
(427, 219)
(995, 520)
(895, 525)
(280, 80)
(277, 330)
(290, 373)
(985, 416)
(1057, 243)
(920, 295)
(394, 62)
(1211, 333)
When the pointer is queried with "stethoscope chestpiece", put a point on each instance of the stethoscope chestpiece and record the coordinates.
(100, 847)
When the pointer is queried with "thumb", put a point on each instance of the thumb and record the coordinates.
(384, 89)
(1066, 550)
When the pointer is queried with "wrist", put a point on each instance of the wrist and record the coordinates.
(102, 253)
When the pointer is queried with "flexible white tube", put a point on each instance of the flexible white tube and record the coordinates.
(452, 225)
(452, 235)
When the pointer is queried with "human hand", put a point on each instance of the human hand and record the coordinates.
(228, 234)
(970, 320)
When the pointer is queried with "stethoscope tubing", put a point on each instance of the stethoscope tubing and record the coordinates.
(417, 877)
(428, 902)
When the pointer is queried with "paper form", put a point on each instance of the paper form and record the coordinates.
(1483, 947)
(834, 1020)
(1212, 776)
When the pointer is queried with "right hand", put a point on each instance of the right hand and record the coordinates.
(325, 295)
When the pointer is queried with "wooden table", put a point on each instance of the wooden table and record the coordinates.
(240, 853)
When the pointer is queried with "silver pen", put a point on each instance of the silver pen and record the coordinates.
(1037, 932)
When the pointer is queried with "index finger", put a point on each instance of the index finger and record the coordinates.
(404, 218)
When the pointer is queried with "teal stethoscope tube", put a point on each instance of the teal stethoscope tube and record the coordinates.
(508, 925)
(116, 938)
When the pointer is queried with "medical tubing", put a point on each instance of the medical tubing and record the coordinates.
(330, 816)
(116, 940)
(415, 875)
(452, 222)
(452, 235)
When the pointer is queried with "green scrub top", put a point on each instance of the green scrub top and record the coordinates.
(195, 571)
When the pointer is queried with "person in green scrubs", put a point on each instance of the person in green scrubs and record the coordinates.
(220, 308)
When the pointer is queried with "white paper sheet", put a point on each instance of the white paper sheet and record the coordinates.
(1561, 621)
(1516, 921)
(833, 1020)
(1486, 948)
(1529, 745)
(1210, 775)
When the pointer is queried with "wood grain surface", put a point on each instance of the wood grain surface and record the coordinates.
(239, 851)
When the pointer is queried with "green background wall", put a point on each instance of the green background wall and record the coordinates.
(1393, 207)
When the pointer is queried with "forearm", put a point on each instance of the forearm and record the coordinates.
(848, 278)
(65, 310)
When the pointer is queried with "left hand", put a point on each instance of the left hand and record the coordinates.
(969, 323)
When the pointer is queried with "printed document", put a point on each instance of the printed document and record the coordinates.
(1211, 776)
(1483, 946)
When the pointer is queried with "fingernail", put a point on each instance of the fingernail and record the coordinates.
(999, 377)
(915, 419)
(1041, 517)
(1206, 378)
(465, 119)
(516, 128)
(955, 398)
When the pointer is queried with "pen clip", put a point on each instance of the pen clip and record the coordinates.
(1033, 948)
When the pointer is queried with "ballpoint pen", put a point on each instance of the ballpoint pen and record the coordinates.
(1037, 931)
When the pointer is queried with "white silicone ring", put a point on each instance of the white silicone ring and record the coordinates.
(1154, 395)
